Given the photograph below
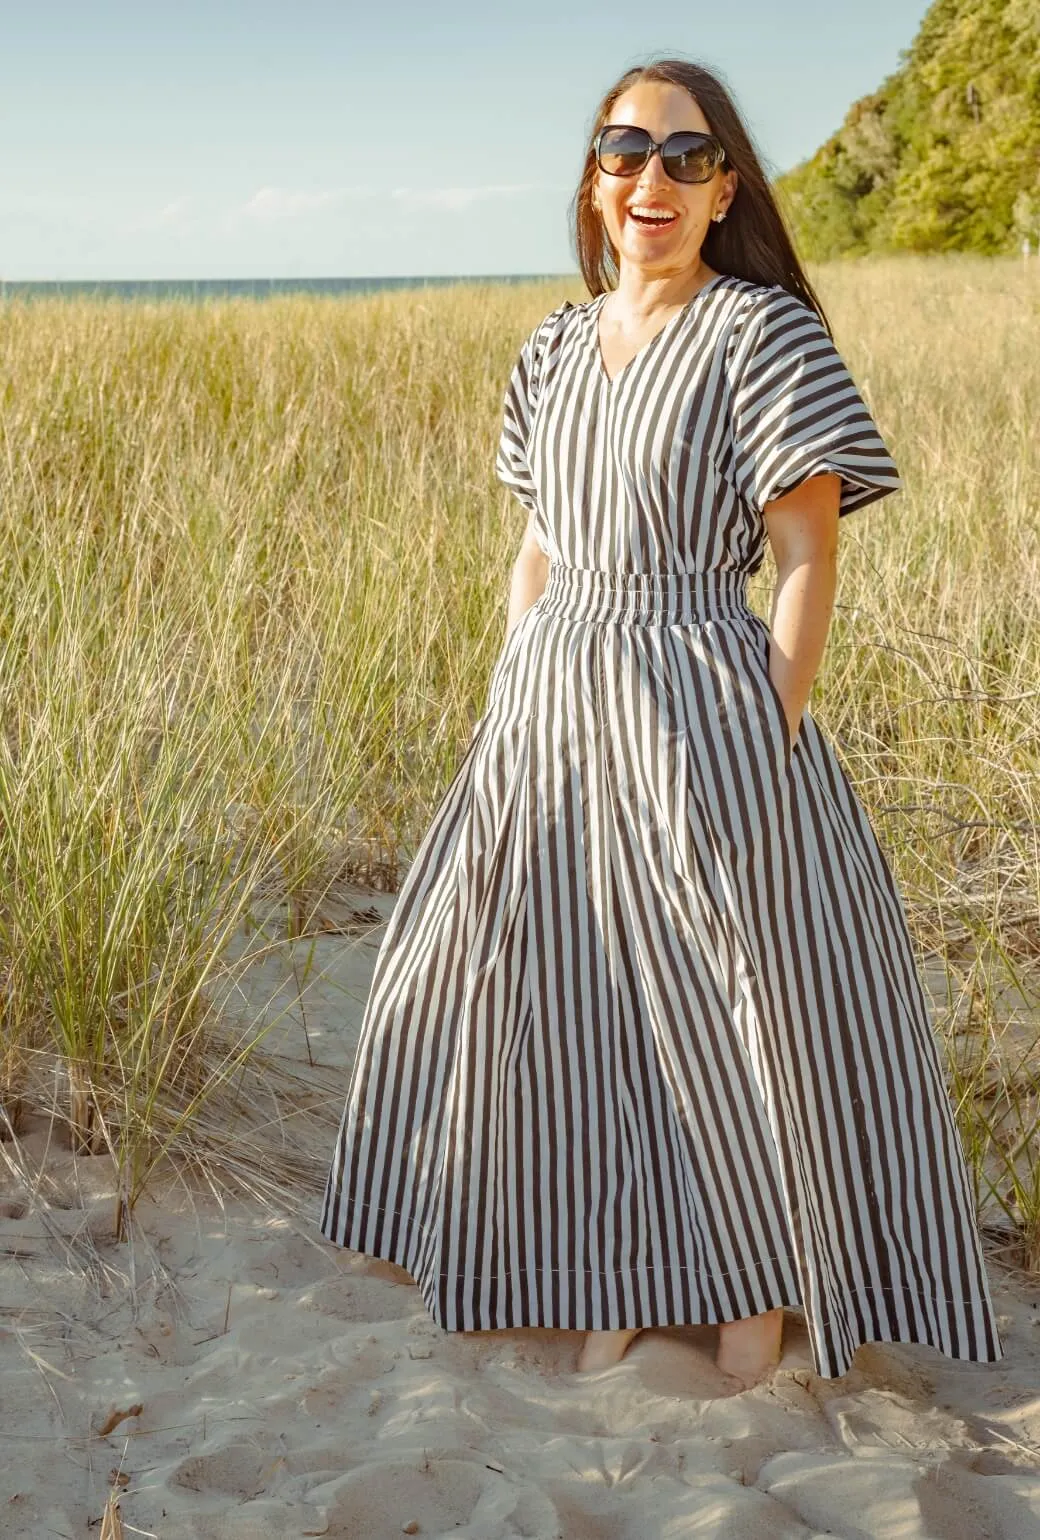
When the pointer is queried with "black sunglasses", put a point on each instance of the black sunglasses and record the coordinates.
(622, 150)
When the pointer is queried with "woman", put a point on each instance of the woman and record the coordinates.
(645, 1042)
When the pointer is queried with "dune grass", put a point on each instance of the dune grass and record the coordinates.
(253, 576)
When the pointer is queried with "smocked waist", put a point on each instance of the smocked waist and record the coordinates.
(642, 598)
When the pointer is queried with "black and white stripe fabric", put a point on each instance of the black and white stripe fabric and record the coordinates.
(645, 1042)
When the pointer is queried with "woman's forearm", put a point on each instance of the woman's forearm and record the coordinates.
(803, 600)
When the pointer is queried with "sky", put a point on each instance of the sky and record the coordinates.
(219, 139)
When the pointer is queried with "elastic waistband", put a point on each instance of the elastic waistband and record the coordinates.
(642, 598)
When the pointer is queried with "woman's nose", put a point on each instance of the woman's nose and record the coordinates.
(653, 173)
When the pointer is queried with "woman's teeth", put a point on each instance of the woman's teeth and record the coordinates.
(652, 216)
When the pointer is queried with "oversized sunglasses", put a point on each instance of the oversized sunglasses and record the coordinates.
(622, 150)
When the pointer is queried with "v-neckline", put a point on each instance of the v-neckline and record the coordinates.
(597, 306)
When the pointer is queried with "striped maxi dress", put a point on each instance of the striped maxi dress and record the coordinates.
(645, 1043)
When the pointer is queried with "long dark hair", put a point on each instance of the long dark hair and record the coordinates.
(752, 242)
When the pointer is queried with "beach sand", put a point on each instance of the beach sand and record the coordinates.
(232, 1375)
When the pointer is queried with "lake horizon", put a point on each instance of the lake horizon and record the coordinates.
(248, 288)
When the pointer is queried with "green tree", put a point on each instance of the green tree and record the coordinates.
(945, 156)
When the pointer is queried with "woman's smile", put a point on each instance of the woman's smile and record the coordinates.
(652, 217)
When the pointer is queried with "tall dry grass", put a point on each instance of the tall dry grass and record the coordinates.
(253, 575)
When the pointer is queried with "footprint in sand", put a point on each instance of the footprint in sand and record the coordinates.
(355, 1297)
(240, 1471)
(460, 1498)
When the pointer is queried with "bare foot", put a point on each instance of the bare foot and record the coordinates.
(750, 1349)
(603, 1349)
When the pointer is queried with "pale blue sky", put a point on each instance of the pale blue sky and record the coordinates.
(306, 139)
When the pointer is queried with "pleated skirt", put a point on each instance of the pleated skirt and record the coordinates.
(646, 1042)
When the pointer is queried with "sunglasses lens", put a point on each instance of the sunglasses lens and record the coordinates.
(691, 157)
(687, 156)
(622, 151)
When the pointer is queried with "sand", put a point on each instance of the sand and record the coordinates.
(232, 1375)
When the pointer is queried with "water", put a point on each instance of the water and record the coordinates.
(252, 288)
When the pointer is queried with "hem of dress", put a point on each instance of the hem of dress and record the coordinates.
(835, 1364)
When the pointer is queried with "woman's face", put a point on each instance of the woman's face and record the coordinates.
(665, 249)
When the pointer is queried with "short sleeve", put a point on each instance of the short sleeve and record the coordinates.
(796, 411)
(512, 463)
